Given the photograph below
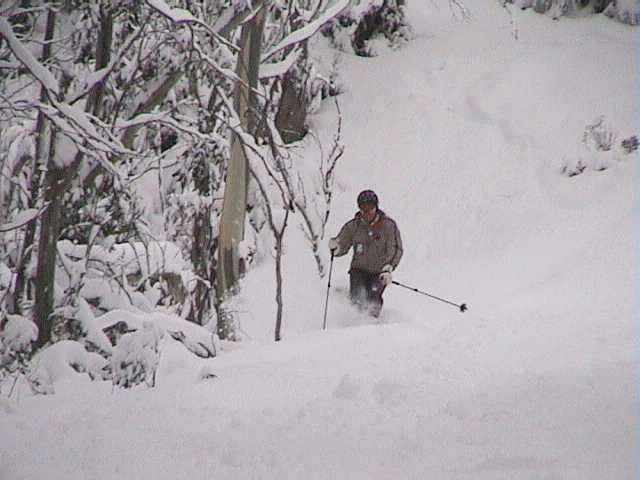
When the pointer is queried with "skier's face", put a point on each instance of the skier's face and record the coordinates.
(368, 211)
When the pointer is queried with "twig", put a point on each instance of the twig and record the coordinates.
(514, 28)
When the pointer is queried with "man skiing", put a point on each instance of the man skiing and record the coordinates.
(377, 249)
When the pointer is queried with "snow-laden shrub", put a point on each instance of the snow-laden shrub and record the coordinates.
(90, 334)
(368, 24)
(17, 147)
(40, 382)
(107, 212)
(602, 149)
(590, 161)
(386, 22)
(626, 11)
(135, 358)
(127, 275)
(599, 136)
(16, 336)
(557, 8)
(522, 4)
(630, 145)
(6, 279)
(197, 339)
(65, 360)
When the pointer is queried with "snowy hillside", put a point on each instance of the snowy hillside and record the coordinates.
(467, 135)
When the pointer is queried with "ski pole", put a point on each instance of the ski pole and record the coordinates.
(326, 302)
(462, 307)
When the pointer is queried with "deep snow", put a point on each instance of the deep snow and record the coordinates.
(463, 133)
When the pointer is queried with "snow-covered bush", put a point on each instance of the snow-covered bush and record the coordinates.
(40, 382)
(199, 340)
(65, 360)
(598, 136)
(602, 149)
(103, 212)
(630, 145)
(89, 331)
(16, 337)
(191, 217)
(388, 22)
(62, 359)
(557, 8)
(573, 168)
(125, 275)
(17, 148)
(6, 279)
(136, 357)
(626, 11)
(368, 22)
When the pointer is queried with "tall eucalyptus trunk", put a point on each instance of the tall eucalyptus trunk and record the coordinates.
(235, 197)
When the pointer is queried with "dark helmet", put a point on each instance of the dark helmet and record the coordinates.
(367, 197)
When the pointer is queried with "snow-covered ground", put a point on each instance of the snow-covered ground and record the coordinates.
(463, 133)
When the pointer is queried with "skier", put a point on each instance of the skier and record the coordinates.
(377, 249)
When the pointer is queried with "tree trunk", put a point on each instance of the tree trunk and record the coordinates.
(291, 117)
(292, 111)
(234, 206)
(57, 180)
(201, 255)
(47, 247)
(42, 147)
(103, 57)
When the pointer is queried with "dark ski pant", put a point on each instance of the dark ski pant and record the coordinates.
(366, 290)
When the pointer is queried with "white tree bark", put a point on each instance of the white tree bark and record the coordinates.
(235, 197)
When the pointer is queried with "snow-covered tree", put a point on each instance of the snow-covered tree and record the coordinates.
(102, 120)
(124, 123)
(287, 29)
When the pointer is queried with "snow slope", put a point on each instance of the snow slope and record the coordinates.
(463, 134)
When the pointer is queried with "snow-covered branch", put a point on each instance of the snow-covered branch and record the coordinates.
(278, 69)
(23, 218)
(39, 71)
(514, 27)
(79, 126)
(308, 30)
(176, 15)
(99, 76)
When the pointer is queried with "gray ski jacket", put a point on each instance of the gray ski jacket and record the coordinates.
(375, 244)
